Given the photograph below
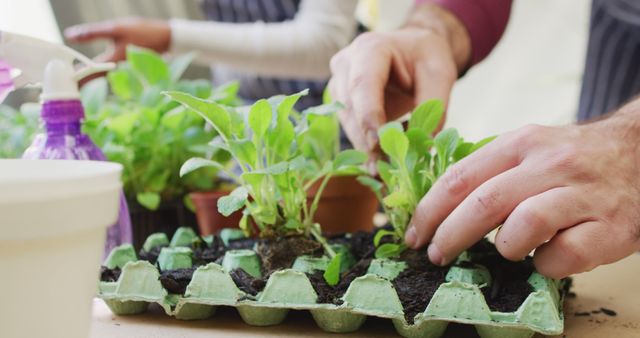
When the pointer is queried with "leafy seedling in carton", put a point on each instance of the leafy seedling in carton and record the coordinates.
(148, 133)
(280, 154)
(415, 161)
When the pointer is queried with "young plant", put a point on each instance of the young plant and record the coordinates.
(148, 133)
(280, 155)
(415, 161)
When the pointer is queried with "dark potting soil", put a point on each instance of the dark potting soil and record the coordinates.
(248, 283)
(416, 285)
(109, 275)
(241, 244)
(279, 253)
(152, 255)
(510, 286)
(205, 254)
(328, 294)
(176, 281)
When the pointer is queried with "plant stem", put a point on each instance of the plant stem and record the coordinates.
(316, 198)
(323, 241)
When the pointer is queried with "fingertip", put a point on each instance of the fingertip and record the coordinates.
(435, 255)
(410, 237)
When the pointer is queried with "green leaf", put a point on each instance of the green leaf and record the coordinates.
(381, 233)
(397, 199)
(384, 169)
(179, 65)
(375, 185)
(244, 225)
(260, 116)
(482, 143)
(277, 169)
(149, 200)
(94, 94)
(188, 203)
(123, 124)
(462, 150)
(173, 119)
(349, 157)
(445, 143)
(332, 273)
(394, 143)
(124, 84)
(286, 105)
(148, 64)
(213, 113)
(293, 224)
(427, 116)
(244, 151)
(388, 250)
(323, 110)
(233, 202)
(195, 163)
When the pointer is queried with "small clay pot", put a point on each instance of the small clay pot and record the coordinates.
(210, 221)
(345, 206)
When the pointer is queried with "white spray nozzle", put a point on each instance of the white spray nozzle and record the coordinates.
(32, 56)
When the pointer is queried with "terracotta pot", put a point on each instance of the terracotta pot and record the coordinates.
(345, 206)
(167, 218)
(210, 221)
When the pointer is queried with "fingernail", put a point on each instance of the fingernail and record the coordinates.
(410, 237)
(435, 256)
(372, 139)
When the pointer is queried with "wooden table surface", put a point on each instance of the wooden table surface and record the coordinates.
(615, 287)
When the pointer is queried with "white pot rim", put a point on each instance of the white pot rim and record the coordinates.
(38, 180)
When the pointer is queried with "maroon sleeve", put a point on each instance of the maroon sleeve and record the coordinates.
(485, 21)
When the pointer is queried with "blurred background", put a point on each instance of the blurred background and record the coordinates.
(533, 75)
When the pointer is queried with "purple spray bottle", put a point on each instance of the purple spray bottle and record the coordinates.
(62, 113)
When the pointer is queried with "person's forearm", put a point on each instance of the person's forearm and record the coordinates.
(299, 48)
(484, 20)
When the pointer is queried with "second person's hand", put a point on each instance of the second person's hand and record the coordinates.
(381, 76)
(148, 33)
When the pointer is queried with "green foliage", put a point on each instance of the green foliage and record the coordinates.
(148, 133)
(282, 154)
(18, 128)
(415, 161)
(332, 272)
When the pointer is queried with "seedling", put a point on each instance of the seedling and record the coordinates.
(280, 154)
(415, 161)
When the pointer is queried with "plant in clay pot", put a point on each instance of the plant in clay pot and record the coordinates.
(152, 136)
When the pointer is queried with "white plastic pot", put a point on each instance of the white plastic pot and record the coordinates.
(53, 221)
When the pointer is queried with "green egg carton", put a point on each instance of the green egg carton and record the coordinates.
(458, 300)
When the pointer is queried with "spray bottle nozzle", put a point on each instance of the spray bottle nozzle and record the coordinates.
(32, 57)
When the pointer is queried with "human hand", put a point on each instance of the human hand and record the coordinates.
(148, 33)
(571, 193)
(381, 76)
